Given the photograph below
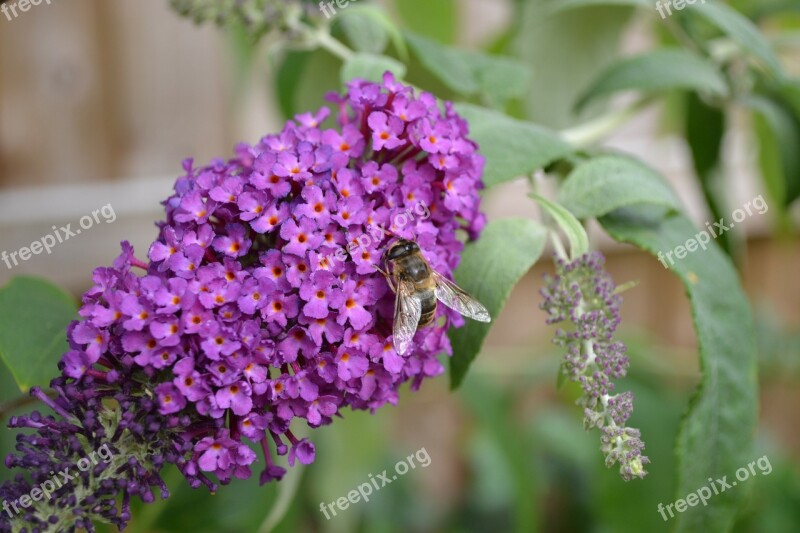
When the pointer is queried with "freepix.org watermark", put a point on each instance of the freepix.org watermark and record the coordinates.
(365, 489)
(44, 491)
(715, 487)
(664, 7)
(376, 233)
(328, 8)
(702, 238)
(13, 9)
(59, 235)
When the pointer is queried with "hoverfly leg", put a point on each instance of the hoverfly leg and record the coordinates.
(388, 278)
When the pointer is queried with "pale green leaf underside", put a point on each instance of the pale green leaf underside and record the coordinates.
(371, 67)
(571, 226)
(363, 32)
(556, 6)
(609, 182)
(496, 78)
(371, 29)
(512, 148)
(743, 31)
(490, 268)
(656, 71)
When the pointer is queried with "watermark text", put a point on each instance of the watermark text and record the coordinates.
(665, 7)
(59, 235)
(365, 490)
(45, 490)
(715, 487)
(9, 9)
(703, 237)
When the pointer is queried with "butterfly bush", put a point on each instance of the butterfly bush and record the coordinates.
(259, 305)
(583, 296)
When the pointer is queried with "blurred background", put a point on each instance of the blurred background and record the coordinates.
(101, 100)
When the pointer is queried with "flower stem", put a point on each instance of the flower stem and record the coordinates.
(558, 246)
(321, 37)
(597, 129)
(333, 45)
(286, 492)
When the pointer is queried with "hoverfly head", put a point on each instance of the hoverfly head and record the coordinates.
(400, 248)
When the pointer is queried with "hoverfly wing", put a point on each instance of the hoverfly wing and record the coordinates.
(455, 298)
(407, 310)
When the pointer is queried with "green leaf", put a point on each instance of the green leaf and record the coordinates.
(446, 63)
(363, 33)
(660, 70)
(287, 78)
(705, 128)
(489, 270)
(740, 29)
(9, 396)
(790, 91)
(556, 6)
(608, 182)
(303, 80)
(512, 148)
(371, 67)
(437, 19)
(778, 132)
(500, 78)
(496, 78)
(571, 226)
(34, 315)
(373, 15)
(717, 432)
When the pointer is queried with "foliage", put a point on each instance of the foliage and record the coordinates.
(33, 317)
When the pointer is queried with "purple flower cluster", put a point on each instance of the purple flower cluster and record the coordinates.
(245, 319)
(583, 295)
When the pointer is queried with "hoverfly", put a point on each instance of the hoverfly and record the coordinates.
(418, 287)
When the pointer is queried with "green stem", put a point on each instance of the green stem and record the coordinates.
(597, 129)
(333, 45)
(321, 37)
(286, 492)
(558, 246)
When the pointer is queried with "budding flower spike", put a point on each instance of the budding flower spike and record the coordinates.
(260, 306)
(582, 295)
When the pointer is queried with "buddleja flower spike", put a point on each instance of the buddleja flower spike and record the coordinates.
(259, 306)
(583, 297)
